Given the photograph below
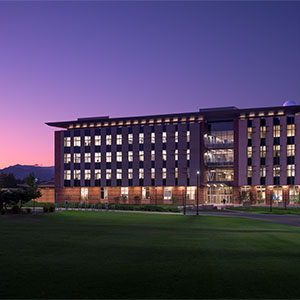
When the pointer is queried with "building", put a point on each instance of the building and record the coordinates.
(47, 191)
(230, 154)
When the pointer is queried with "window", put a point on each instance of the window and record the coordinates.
(84, 193)
(188, 173)
(290, 169)
(119, 156)
(108, 156)
(164, 154)
(97, 174)
(145, 193)
(290, 130)
(188, 136)
(67, 142)
(141, 155)
(130, 173)
(67, 158)
(130, 138)
(262, 172)
(119, 139)
(290, 150)
(108, 139)
(167, 193)
(261, 194)
(141, 173)
(190, 192)
(188, 156)
(103, 193)
(176, 136)
(108, 174)
(130, 155)
(249, 151)
(153, 137)
(164, 173)
(176, 173)
(164, 137)
(263, 130)
(97, 140)
(152, 173)
(67, 175)
(77, 174)
(249, 171)
(87, 141)
(262, 151)
(276, 151)
(87, 157)
(141, 138)
(276, 131)
(249, 133)
(124, 193)
(76, 158)
(152, 155)
(97, 157)
(276, 171)
(119, 174)
(77, 142)
(87, 174)
(176, 154)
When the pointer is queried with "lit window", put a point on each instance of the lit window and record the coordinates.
(108, 174)
(76, 158)
(67, 175)
(164, 137)
(119, 174)
(87, 174)
(108, 156)
(249, 152)
(77, 142)
(130, 173)
(263, 150)
(176, 154)
(152, 173)
(164, 154)
(119, 156)
(276, 150)
(97, 174)
(188, 136)
(124, 193)
(67, 158)
(276, 171)
(190, 192)
(290, 130)
(152, 155)
(130, 155)
(262, 172)
(141, 173)
(176, 172)
(249, 171)
(84, 193)
(263, 132)
(141, 155)
(77, 174)
(87, 157)
(153, 137)
(130, 138)
(164, 173)
(97, 140)
(67, 142)
(108, 139)
(276, 131)
(290, 170)
(119, 139)
(87, 141)
(249, 132)
(188, 152)
(167, 193)
(145, 192)
(176, 136)
(141, 138)
(98, 157)
(290, 150)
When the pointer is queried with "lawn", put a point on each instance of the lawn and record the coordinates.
(266, 210)
(123, 255)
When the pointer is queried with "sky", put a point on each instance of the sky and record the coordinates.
(63, 60)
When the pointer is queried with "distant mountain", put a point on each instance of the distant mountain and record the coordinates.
(20, 172)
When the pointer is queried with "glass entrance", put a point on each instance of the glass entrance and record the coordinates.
(216, 194)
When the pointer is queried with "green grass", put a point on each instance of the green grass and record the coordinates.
(266, 210)
(124, 255)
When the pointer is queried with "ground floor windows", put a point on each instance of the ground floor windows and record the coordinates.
(294, 195)
(277, 194)
(190, 192)
(217, 194)
(260, 195)
(84, 193)
(124, 193)
(145, 193)
(103, 193)
(167, 193)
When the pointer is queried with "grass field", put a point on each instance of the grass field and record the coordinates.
(124, 255)
(266, 210)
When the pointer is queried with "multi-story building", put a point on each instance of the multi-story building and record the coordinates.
(215, 154)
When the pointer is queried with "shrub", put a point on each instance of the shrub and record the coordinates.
(51, 208)
(28, 210)
(2, 211)
(45, 209)
(15, 209)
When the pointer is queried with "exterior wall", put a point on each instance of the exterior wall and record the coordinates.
(297, 150)
(48, 195)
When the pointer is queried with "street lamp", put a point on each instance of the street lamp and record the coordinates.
(184, 201)
(156, 196)
(271, 200)
(198, 175)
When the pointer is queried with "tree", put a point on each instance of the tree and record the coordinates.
(32, 192)
(8, 180)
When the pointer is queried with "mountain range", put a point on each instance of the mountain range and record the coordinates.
(22, 171)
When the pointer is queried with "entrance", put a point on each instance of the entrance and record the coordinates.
(217, 193)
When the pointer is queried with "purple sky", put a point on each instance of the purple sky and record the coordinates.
(63, 60)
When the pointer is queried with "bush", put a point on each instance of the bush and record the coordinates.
(28, 210)
(2, 211)
(51, 208)
(15, 209)
(45, 209)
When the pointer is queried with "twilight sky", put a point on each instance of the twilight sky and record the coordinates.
(63, 60)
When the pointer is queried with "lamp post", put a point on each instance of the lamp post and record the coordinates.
(184, 201)
(271, 200)
(156, 196)
(198, 175)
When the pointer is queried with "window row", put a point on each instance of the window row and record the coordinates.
(290, 151)
(290, 171)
